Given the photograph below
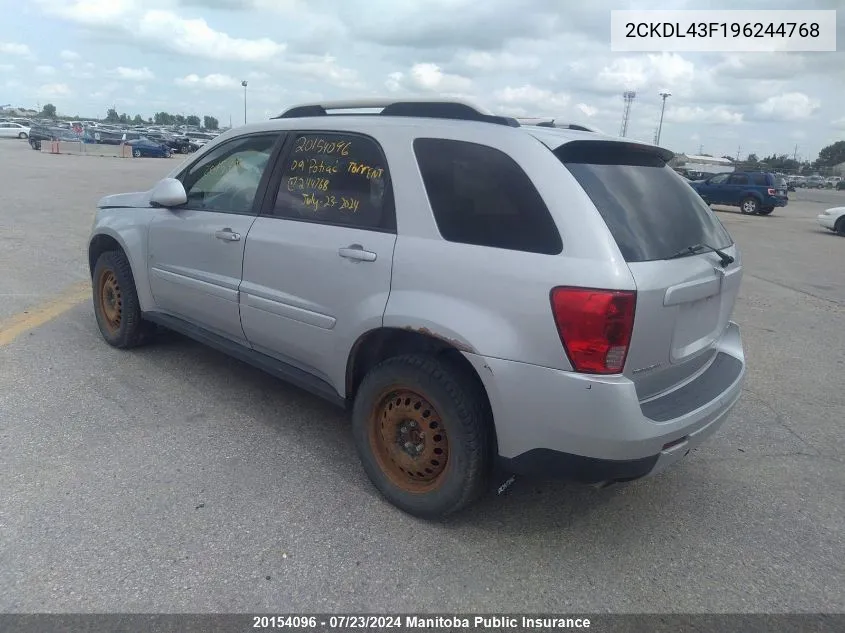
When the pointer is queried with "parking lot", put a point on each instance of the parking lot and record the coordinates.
(173, 479)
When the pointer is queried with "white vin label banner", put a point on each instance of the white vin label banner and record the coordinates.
(723, 31)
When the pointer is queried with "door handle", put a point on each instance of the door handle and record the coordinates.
(227, 235)
(356, 253)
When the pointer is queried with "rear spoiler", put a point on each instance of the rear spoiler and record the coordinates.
(613, 152)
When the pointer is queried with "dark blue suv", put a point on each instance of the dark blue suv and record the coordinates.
(751, 191)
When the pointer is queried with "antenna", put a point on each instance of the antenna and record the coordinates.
(628, 96)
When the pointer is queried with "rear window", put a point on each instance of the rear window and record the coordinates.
(651, 212)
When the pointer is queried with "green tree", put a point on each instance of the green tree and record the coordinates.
(124, 118)
(210, 123)
(192, 120)
(179, 119)
(752, 158)
(49, 111)
(138, 120)
(831, 155)
(112, 116)
(163, 118)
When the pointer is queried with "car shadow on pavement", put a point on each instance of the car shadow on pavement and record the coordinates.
(309, 425)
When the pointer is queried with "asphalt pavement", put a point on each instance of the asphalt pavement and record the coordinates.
(173, 479)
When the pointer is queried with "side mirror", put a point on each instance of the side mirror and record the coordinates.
(169, 192)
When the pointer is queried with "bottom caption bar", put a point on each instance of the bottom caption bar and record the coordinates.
(306, 623)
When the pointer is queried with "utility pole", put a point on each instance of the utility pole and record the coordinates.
(738, 150)
(628, 96)
(795, 153)
(243, 83)
(700, 150)
(663, 94)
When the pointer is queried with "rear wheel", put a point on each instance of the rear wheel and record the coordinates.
(766, 210)
(136, 153)
(116, 304)
(423, 432)
(22, 135)
(749, 206)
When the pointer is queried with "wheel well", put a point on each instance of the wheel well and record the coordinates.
(99, 245)
(379, 345)
(839, 225)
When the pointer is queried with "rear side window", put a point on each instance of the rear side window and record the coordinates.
(479, 195)
(738, 179)
(760, 180)
(650, 211)
(339, 179)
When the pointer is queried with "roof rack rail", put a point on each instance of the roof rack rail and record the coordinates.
(550, 122)
(408, 107)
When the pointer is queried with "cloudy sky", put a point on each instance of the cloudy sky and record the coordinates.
(518, 57)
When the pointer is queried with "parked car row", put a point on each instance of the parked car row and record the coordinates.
(815, 182)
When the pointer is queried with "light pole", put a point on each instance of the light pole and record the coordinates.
(243, 83)
(664, 94)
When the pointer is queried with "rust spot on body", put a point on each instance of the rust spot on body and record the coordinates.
(456, 343)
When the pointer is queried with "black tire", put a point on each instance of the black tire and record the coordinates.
(22, 135)
(766, 210)
(136, 153)
(116, 304)
(749, 206)
(839, 227)
(453, 416)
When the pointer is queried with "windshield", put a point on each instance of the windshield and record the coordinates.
(651, 212)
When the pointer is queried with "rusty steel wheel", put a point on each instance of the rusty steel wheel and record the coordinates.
(111, 299)
(116, 305)
(409, 440)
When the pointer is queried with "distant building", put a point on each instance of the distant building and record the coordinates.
(838, 170)
(702, 164)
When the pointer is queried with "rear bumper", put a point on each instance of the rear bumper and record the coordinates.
(775, 202)
(594, 428)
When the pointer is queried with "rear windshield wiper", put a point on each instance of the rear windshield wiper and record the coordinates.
(692, 250)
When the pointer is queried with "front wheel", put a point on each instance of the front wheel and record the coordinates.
(22, 135)
(423, 433)
(116, 304)
(749, 206)
(136, 153)
(839, 227)
(766, 210)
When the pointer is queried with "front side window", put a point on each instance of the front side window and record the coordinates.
(227, 178)
(480, 195)
(740, 179)
(339, 179)
(719, 180)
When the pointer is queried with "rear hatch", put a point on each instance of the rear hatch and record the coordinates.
(685, 297)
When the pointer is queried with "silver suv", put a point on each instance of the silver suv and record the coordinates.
(477, 292)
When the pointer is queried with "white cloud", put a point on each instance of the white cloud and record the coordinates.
(209, 82)
(11, 48)
(839, 123)
(431, 77)
(140, 90)
(45, 70)
(69, 56)
(196, 38)
(51, 91)
(6, 68)
(718, 115)
(133, 74)
(587, 110)
(636, 73)
(532, 100)
(790, 106)
(501, 61)
(323, 68)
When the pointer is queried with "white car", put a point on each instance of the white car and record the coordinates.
(13, 130)
(834, 219)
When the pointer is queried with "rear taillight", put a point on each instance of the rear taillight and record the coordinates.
(772, 192)
(595, 327)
